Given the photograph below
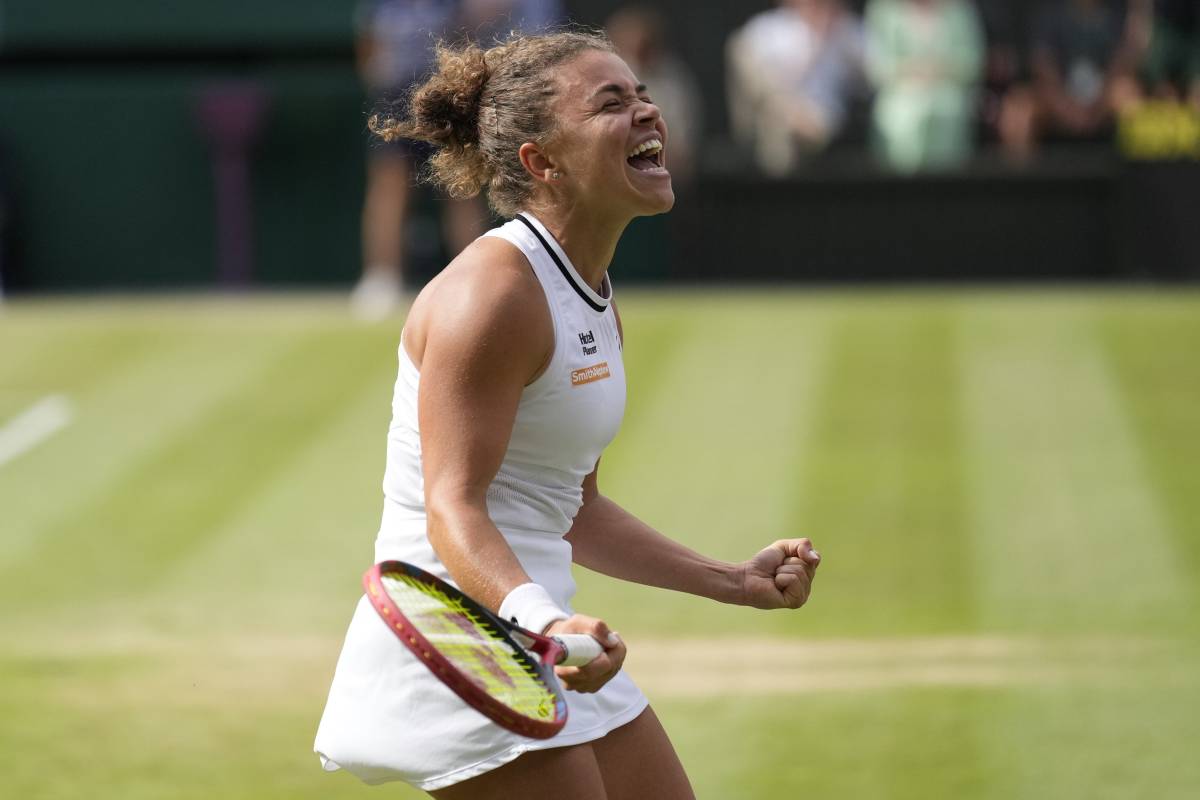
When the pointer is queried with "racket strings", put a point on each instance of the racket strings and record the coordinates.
(473, 645)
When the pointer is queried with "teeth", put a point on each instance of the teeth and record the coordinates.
(652, 146)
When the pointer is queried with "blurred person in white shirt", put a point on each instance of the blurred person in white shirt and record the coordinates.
(794, 72)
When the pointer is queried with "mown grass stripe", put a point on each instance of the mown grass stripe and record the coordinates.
(883, 495)
(178, 493)
(883, 489)
(317, 516)
(651, 338)
(124, 410)
(64, 354)
(899, 745)
(1152, 345)
(1067, 533)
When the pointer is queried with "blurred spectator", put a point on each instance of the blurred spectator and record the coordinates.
(1172, 64)
(395, 48)
(794, 73)
(490, 21)
(1081, 62)
(1007, 106)
(639, 34)
(925, 58)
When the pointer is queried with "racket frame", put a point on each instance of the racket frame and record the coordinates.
(546, 650)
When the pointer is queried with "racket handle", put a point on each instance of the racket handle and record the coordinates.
(578, 649)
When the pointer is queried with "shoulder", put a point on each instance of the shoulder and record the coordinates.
(487, 300)
(489, 285)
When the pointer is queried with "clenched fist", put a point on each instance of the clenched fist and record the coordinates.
(780, 576)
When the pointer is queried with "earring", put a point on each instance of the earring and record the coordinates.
(556, 175)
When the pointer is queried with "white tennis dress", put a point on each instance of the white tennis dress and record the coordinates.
(388, 718)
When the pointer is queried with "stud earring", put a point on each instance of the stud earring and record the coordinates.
(556, 175)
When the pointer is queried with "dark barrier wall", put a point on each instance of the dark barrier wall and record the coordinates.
(876, 227)
(112, 181)
(109, 168)
(1092, 218)
(176, 26)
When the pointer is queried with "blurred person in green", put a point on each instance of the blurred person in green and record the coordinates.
(925, 58)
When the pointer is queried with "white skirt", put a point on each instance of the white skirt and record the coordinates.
(389, 719)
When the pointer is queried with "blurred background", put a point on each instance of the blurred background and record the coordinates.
(927, 296)
(224, 144)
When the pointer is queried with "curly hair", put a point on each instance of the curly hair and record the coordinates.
(478, 108)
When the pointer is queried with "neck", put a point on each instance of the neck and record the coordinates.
(588, 240)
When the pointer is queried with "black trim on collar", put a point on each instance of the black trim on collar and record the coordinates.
(561, 266)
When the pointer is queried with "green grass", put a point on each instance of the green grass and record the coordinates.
(1004, 486)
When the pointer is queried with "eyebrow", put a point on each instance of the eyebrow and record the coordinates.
(617, 89)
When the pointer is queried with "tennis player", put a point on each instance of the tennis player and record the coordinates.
(510, 385)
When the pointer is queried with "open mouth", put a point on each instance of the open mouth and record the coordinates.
(647, 156)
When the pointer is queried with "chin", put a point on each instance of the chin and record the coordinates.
(660, 202)
(668, 202)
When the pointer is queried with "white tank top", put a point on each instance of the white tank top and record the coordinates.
(564, 421)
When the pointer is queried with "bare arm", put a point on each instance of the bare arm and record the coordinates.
(479, 334)
(608, 539)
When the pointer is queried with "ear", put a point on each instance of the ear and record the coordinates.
(536, 162)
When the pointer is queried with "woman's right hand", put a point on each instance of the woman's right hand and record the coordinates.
(601, 669)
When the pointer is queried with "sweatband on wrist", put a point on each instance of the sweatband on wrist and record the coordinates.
(530, 606)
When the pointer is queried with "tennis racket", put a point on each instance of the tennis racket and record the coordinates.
(496, 667)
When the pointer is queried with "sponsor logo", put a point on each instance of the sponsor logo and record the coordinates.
(596, 372)
(586, 339)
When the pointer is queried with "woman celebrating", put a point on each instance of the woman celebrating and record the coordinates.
(510, 386)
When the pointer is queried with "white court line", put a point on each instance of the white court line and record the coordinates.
(33, 426)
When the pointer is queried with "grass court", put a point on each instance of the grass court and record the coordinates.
(1005, 487)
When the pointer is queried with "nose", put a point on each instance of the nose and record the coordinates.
(647, 113)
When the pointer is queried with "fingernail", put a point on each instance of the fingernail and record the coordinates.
(816, 555)
(613, 639)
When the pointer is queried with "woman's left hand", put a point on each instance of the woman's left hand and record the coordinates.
(780, 576)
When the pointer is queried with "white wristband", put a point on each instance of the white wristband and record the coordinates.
(530, 606)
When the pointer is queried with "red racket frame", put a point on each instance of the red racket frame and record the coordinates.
(546, 649)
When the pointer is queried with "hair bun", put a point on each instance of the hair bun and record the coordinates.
(447, 107)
